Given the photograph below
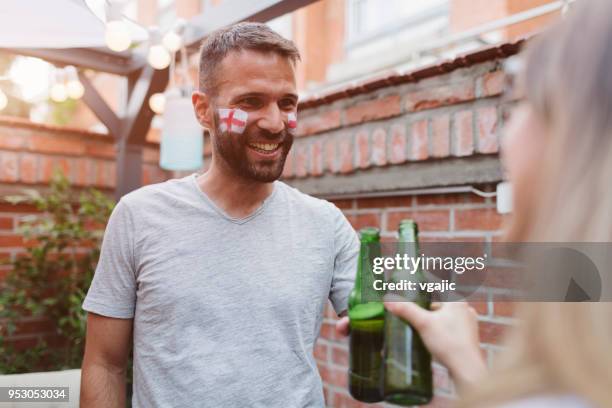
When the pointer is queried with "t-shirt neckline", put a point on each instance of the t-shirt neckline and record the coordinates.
(194, 182)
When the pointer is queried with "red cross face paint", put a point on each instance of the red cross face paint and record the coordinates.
(292, 122)
(232, 120)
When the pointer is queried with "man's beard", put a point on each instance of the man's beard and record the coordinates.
(232, 148)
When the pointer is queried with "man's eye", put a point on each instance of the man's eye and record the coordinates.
(252, 103)
(286, 104)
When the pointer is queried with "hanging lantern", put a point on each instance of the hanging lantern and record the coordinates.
(182, 139)
(117, 35)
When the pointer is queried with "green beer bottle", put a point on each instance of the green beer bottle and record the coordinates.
(407, 363)
(367, 319)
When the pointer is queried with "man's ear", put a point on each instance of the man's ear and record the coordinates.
(202, 107)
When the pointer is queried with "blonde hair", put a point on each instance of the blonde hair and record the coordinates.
(564, 347)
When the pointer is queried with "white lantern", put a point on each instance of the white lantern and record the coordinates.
(182, 141)
(157, 102)
(159, 57)
(117, 35)
(74, 87)
(172, 41)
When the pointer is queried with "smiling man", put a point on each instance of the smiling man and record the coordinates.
(220, 280)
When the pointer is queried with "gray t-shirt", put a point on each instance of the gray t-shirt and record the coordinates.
(226, 311)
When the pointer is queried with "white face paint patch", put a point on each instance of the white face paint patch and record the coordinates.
(292, 122)
(232, 120)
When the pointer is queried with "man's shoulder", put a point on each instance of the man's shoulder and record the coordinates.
(156, 194)
(305, 201)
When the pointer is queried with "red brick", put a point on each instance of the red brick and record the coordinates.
(288, 168)
(319, 122)
(48, 164)
(440, 136)
(320, 352)
(344, 400)
(364, 220)
(418, 141)
(448, 199)
(28, 168)
(481, 219)
(362, 151)
(82, 166)
(504, 309)
(434, 220)
(37, 326)
(301, 160)
(102, 174)
(334, 376)
(398, 143)
(328, 331)
(340, 356)
(331, 164)
(316, 157)
(441, 96)
(47, 144)
(8, 166)
(99, 149)
(463, 142)
(379, 108)
(343, 204)
(6, 223)
(346, 155)
(379, 147)
(112, 174)
(150, 155)
(487, 126)
(10, 141)
(11, 241)
(493, 83)
(491, 333)
(384, 202)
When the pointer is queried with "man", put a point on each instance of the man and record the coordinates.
(222, 277)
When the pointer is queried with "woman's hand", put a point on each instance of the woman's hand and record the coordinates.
(450, 332)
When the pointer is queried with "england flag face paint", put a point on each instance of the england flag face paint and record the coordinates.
(232, 120)
(292, 122)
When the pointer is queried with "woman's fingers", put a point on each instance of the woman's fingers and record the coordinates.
(342, 327)
(410, 312)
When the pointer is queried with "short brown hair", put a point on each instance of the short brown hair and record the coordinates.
(241, 36)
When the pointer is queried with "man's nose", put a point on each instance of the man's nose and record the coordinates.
(272, 120)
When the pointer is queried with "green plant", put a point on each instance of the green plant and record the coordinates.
(50, 279)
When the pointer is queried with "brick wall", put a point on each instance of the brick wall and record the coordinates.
(399, 136)
(28, 154)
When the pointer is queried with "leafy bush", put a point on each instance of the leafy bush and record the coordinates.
(50, 279)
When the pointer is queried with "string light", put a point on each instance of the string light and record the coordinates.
(74, 87)
(117, 35)
(58, 92)
(157, 103)
(158, 57)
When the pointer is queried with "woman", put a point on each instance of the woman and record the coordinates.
(558, 153)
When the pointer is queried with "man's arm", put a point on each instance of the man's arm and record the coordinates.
(107, 348)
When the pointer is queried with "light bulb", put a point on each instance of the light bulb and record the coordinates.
(3, 100)
(157, 103)
(58, 92)
(117, 35)
(158, 57)
(172, 41)
(75, 89)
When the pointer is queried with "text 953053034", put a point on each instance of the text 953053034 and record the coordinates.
(34, 394)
